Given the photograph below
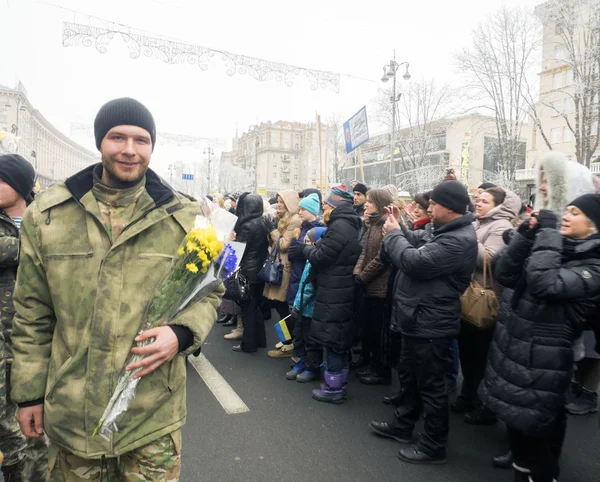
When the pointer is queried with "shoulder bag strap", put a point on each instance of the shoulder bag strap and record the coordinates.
(487, 265)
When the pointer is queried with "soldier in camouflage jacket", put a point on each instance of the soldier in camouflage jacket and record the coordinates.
(24, 460)
(93, 250)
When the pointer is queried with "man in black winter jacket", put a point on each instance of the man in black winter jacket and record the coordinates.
(426, 311)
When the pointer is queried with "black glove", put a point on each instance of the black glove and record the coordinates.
(358, 281)
(547, 219)
(508, 235)
(271, 223)
(525, 231)
(296, 251)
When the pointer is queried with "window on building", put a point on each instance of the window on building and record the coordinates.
(558, 80)
(558, 28)
(560, 52)
(274, 175)
(569, 106)
(557, 107)
(274, 166)
(295, 177)
(556, 135)
(3, 119)
(568, 135)
(569, 77)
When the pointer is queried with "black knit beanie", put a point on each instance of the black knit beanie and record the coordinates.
(452, 195)
(361, 188)
(486, 185)
(19, 174)
(123, 112)
(589, 205)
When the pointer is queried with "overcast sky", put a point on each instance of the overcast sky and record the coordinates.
(350, 37)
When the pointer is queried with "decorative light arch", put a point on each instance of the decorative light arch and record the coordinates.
(174, 52)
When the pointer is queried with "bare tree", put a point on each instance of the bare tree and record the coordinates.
(425, 110)
(335, 124)
(422, 118)
(576, 24)
(233, 179)
(497, 69)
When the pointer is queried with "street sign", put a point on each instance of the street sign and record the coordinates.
(356, 130)
(187, 177)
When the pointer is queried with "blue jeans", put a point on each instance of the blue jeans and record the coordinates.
(453, 364)
(335, 363)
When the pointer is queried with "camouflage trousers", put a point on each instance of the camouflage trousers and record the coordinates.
(159, 461)
(31, 452)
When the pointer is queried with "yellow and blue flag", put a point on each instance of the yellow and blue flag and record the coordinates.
(282, 330)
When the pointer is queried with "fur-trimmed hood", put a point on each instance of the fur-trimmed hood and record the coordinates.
(566, 180)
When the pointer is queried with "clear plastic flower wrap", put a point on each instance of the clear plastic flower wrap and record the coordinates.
(194, 274)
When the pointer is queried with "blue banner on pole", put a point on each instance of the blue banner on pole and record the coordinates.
(187, 177)
(356, 130)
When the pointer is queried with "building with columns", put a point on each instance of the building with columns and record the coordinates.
(53, 155)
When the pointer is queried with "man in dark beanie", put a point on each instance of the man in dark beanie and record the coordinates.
(24, 460)
(426, 312)
(360, 198)
(94, 248)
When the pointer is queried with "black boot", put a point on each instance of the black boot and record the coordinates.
(462, 405)
(481, 416)
(414, 455)
(231, 322)
(394, 399)
(503, 461)
(224, 318)
(13, 473)
(381, 376)
(580, 400)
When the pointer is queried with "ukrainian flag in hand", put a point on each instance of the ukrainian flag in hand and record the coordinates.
(282, 330)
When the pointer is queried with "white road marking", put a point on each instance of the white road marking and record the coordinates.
(225, 395)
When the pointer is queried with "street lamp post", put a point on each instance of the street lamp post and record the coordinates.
(210, 151)
(389, 72)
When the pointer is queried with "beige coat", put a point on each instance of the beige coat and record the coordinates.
(292, 202)
(490, 227)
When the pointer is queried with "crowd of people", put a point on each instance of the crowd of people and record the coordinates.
(504, 290)
(373, 284)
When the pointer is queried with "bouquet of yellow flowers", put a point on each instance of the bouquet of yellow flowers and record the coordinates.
(192, 276)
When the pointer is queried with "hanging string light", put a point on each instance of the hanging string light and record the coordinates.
(176, 52)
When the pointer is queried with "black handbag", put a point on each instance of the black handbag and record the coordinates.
(272, 270)
(237, 287)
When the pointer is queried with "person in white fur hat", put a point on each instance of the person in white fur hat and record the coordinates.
(559, 182)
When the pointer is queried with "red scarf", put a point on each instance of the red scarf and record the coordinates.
(420, 223)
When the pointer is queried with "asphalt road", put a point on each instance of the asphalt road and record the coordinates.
(287, 436)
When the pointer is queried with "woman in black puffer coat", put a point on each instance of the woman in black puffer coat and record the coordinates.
(333, 262)
(557, 287)
(252, 230)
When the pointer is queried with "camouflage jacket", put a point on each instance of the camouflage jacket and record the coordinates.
(9, 260)
(3, 387)
(79, 303)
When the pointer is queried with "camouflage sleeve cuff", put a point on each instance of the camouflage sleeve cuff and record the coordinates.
(184, 335)
(32, 403)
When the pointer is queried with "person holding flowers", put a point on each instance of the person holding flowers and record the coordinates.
(94, 250)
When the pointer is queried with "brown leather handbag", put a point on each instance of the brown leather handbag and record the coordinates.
(480, 303)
